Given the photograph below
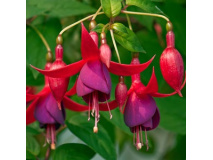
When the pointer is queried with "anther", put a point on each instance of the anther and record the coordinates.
(95, 129)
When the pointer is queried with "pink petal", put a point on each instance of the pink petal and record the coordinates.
(128, 70)
(30, 112)
(89, 49)
(66, 71)
(71, 105)
(151, 87)
(170, 94)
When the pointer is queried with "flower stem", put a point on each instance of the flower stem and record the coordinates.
(127, 17)
(146, 14)
(96, 13)
(72, 25)
(103, 29)
(42, 38)
(116, 49)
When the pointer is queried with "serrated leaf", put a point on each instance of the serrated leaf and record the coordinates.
(32, 146)
(111, 7)
(73, 151)
(100, 142)
(127, 38)
(56, 8)
(146, 5)
(99, 28)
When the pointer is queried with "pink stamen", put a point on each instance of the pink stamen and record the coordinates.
(89, 110)
(108, 108)
(141, 133)
(53, 136)
(147, 144)
(96, 109)
(138, 144)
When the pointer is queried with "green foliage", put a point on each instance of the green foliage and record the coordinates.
(127, 38)
(32, 147)
(56, 8)
(111, 7)
(73, 151)
(99, 28)
(146, 5)
(100, 142)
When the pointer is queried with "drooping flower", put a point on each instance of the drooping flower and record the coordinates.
(171, 64)
(44, 108)
(141, 112)
(94, 83)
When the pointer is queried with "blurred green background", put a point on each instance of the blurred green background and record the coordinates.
(167, 142)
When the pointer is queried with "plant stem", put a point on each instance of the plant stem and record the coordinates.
(146, 14)
(72, 25)
(42, 38)
(103, 29)
(116, 49)
(127, 17)
(96, 13)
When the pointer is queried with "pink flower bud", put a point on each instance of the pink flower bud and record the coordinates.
(121, 93)
(171, 64)
(58, 86)
(105, 54)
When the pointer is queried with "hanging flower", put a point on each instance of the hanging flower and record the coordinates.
(44, 108)
(94, 83)
(141, 112)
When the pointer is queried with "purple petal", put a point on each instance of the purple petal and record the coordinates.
(82, 89)
(155, 120)
(139, 110)
(41, 114)
(92, 76)
(53, 110)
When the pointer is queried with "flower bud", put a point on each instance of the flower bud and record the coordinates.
(105, 51)
(58, 86)
(121, 93)
(171, 64)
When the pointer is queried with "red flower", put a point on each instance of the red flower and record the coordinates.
(141, 112)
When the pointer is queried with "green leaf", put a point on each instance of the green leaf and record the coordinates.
(117, 120)
(146, 5)
(56, 8)
(127, 38)
(111, 7)
(100, 142)
(99, 28)
(173, 113)
(32, 146)
(73, 151)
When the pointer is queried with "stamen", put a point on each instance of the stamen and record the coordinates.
(108, 107)
(134, 135)
(89, 110)
(48, 135)
(141, 133)
(96, 108)
(53, 136)
(138, 144)
(147, 144)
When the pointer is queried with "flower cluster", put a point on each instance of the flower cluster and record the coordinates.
(93, 84)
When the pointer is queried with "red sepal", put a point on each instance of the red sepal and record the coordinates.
(30, 112)
(170, 94)
(128, 70)
(66, 71)
(89, 49)
(112, 105)
(152, 86)
(30, 97)
(71, 105)
(72, 91)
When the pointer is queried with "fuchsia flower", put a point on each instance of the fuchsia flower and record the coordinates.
(94, 83)
(44, 109)
(141, 112)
